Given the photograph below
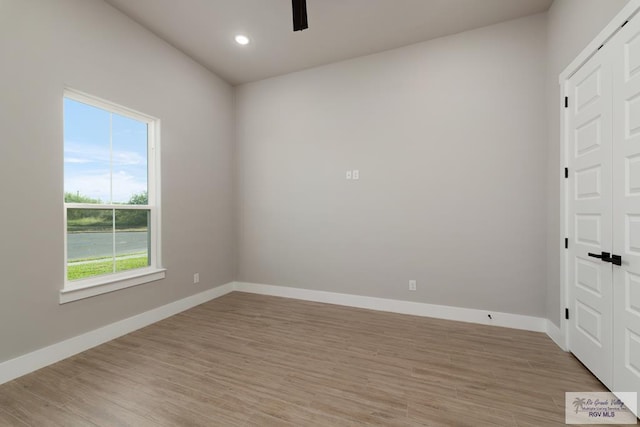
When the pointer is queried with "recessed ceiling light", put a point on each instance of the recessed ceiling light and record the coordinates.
(243, 40)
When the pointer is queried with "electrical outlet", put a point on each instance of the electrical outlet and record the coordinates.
(196, 278)
(412, 285)
(356, 174)
(349, 174)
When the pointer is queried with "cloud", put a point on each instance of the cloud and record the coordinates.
(76, 160)
(128, 158)
(86, 153)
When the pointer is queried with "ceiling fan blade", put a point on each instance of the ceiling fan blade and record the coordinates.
(299, 15)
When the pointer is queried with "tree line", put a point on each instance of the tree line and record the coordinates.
(102, 219)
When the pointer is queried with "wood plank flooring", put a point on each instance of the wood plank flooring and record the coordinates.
(250, 360)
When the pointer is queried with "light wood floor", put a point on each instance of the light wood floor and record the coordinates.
(249, 360)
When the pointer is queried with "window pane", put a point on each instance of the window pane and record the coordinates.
(106, 163)
(132, 239)
(129, 159)
(87, 173)
(89, 243)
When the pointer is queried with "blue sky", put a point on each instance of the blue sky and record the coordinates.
(91, 166)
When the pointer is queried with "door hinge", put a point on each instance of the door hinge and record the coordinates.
(566, 313)
(566, 102)
(566, 172)
(624, 23)
(566, 243)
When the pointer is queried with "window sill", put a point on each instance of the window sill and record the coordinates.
(103, 285)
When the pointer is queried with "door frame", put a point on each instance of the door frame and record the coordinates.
(627, 12)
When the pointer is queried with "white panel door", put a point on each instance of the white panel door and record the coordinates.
(590, 215)
(625, 49)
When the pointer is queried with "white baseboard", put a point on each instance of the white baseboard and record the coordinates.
(38, 359)
(556, 335)
(507, 320)
(30, 362)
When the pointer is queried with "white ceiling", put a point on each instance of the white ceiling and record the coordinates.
(338, 29)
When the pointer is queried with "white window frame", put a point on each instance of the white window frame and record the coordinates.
(85, 288)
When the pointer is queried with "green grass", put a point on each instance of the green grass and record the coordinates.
(125, 221)
(91, 269)
(97, 258)
(91, 221)
(90, 224)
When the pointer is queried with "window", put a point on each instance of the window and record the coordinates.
(111, 203)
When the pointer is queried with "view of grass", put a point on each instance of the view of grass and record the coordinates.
(83, 221)
(95, 224)
(101, 220)
(102, 258)
(97, 268)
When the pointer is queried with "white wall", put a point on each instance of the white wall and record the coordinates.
(450, 140)
(46, 45)
(450, 137)
(572, 24)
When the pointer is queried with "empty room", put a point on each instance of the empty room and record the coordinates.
(319, 212)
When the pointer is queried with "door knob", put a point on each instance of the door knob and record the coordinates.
(605, 256)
